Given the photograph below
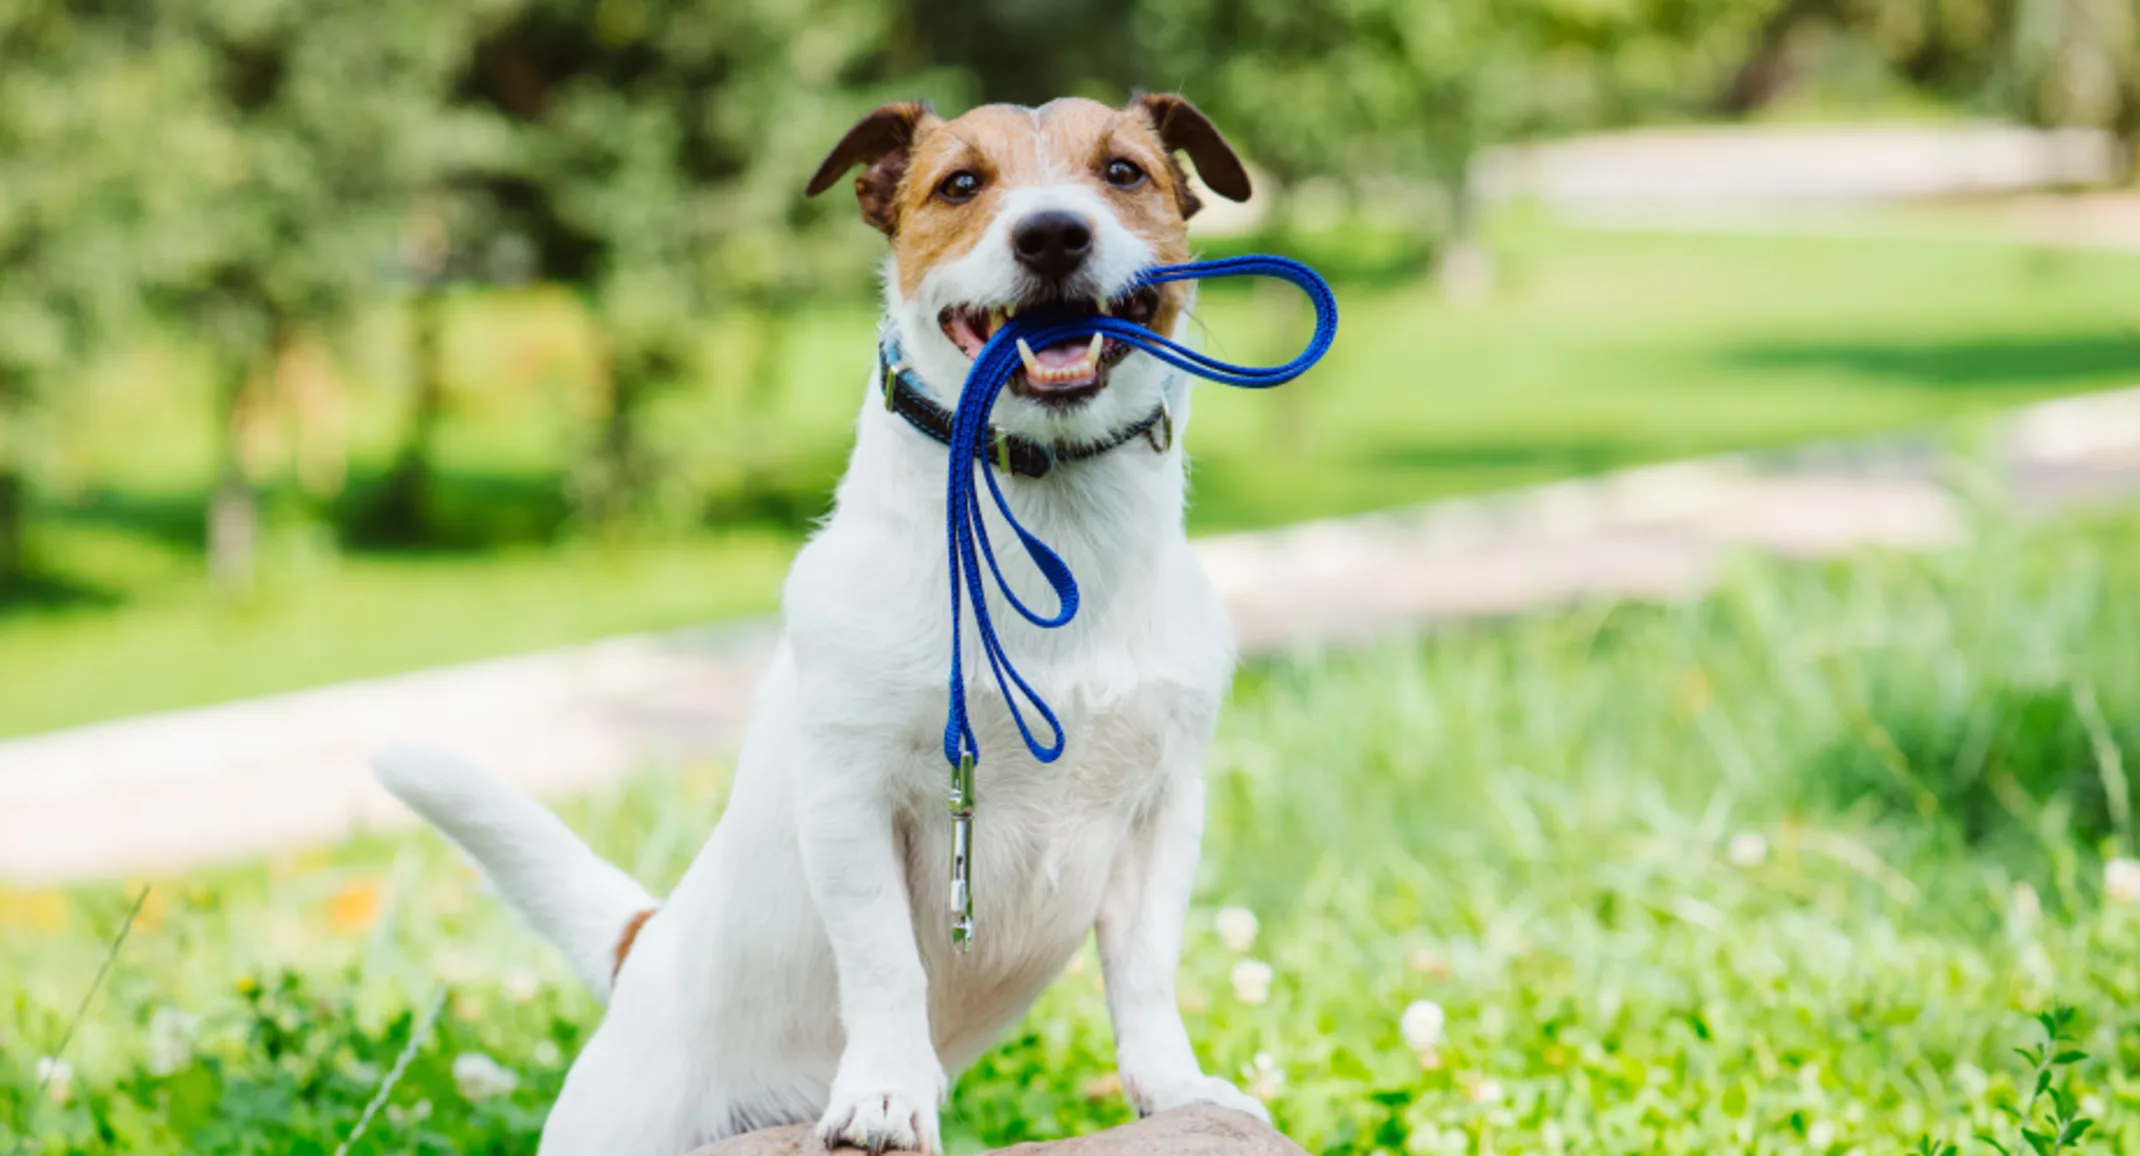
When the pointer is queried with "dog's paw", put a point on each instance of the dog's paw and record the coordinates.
(882, 1115)
(1153, 1094)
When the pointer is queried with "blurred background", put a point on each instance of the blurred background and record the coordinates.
(324, 325)
(348, 338)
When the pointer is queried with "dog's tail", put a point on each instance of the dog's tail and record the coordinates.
(574, 898)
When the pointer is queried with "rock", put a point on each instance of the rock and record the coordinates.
(1198, 1131)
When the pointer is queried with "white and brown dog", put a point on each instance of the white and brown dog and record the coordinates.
(803, 969)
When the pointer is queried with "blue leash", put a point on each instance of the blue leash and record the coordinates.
(967, 535)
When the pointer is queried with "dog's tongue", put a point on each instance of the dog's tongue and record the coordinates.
(1061, 356)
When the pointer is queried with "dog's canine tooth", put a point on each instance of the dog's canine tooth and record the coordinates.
(1099, 304)
(1033, 369)
(1092, 352)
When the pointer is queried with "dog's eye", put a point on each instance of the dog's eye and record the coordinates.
(960, 187)
(1124, 174)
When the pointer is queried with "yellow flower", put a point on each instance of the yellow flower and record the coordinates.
(355, 908)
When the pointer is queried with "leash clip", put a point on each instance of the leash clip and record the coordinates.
(961, 807)
(1161, 433)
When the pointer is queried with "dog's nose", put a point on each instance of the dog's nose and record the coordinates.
(1052, 243)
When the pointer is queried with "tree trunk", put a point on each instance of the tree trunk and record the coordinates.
(1766, 71)
(14, 525)
(1465, 268)
(233, 508)
(759, 484)
(402, 515)
(612, 480)
(14, 491)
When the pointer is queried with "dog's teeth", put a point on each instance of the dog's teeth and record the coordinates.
(1092, 352)
(1099, 305)
(1033, 369)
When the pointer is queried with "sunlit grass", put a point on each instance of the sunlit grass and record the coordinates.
(1684, 880)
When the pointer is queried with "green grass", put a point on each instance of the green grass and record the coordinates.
(1602, 350)
(1698, 879)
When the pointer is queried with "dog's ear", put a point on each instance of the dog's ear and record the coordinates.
(1183, 128)
(881, 142)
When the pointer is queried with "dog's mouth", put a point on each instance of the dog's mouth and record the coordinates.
(1067, 372)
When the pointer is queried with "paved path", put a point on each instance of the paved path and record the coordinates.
(1799, 175)
(1797, 164)
(168, 791)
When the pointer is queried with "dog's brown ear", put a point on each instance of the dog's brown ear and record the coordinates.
(881, 142)
(1183, 128)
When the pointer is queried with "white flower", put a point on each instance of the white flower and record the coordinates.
(1252, 981)
(1237, 928)
(1265, 1077)
(1821, 1136)
(1421, 1024)
(170, 1040)
(546, 1053)
(1483, 1091)
(57, 1078)
(2121, 879)
(2027, 907)
(1747, 849)
(479, 1077)
(521, 985)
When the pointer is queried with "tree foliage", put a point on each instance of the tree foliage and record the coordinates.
(254, 174)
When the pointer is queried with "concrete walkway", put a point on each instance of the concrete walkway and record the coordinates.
(168, 791)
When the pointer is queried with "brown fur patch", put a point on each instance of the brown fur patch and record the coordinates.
(629, 937)
(909, 152)
(879, 142)
(1010, 147)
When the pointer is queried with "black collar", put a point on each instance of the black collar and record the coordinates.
(905, 395)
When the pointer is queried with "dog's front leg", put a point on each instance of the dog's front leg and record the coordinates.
(890, 1081)
(1140, 929)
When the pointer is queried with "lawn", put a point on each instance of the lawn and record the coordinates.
(1601, 350)
(1786, 869)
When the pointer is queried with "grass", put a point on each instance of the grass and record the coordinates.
(1602, 350)
(1787, 869)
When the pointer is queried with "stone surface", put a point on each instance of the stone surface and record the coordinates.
(1183, 1132)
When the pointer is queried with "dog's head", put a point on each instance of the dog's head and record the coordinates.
(1006, 208)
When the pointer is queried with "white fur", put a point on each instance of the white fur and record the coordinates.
(803, 967)
(567, 893)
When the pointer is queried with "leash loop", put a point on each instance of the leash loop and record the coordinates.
(966, 532)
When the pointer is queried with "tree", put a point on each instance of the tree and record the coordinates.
(1024, 51)
(1400, 88)
(2077, 62)
(660, 150)
(84, 108)
(300, 191)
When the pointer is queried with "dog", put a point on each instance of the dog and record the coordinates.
(803, 969)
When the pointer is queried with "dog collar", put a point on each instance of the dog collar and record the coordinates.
(905, 395)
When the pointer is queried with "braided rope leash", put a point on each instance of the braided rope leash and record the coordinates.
(967, 536)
